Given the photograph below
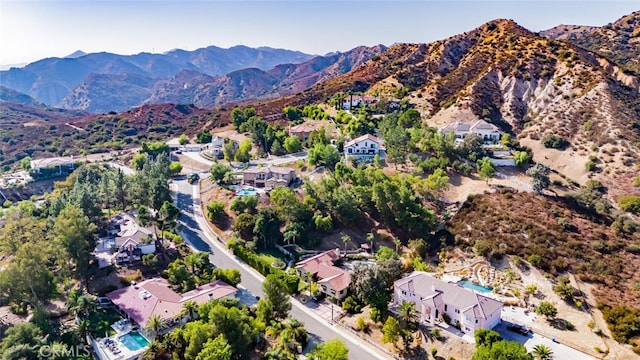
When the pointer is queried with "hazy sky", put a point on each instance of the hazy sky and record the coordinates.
(31, 30)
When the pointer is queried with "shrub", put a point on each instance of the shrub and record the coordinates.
(570, 325)
(376, 315)
(554, 142)
(215, 210)
(361, 324)
(350, 305)
(535, 260)
(630, 203)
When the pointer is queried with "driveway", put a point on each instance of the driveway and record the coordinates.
(560, 351)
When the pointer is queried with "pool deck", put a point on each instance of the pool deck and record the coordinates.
(116, 351)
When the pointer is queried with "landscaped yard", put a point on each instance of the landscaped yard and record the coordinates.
(100, 322)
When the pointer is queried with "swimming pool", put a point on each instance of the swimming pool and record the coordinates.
(134, 341)
(473, 286)
(246, 192)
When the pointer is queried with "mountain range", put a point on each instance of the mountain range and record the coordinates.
(103, 82)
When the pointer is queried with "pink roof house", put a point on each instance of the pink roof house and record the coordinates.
(154, 297)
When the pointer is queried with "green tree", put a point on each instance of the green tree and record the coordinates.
(215, 210)
(521, 158)
(292, 232)
(22, 341)
(74, 232)
(292, 144)
(219, 172)
(190, 309)
(486, 337)
(244, 151)
(264, 311)
(155, 325)
(486, 169)
(437, 181)
(407, 313)
(121, 185)
(276, 292)
(183, 139)
(539, 177)
(229, 149)
(204, 137)
(216, 349)
(502, 350)
(25, 163)
(292, 113)
(175, 168)
(237, 118)
(391, 331)
(333, 349)
(630, 203)
(542, 352)
(276, 148)
(546, 309)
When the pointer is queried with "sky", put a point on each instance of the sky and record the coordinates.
(32, 30)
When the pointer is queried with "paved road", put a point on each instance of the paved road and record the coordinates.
(187, 196)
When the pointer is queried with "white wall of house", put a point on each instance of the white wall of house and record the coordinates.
(362, 148)
(327, 289)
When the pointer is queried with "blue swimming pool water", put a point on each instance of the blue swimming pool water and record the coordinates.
(473, 286)
(134, 341)
(245, 192)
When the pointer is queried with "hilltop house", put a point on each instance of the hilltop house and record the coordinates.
(268, 177)
(333, 281)
(433, 298)
(63, 164)
(488, 132)
(364, 148)
(139, 302)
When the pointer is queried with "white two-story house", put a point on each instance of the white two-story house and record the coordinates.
(364, 148)
(433, 298)
(488, 132)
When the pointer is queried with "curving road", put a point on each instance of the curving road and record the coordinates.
(198, 234)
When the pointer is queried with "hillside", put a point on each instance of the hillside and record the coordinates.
(51, 80)
(618, 41)
(563, 236)
(525, 83)
(12, 96)
(104, 93)
(567, 32)
(48, 132)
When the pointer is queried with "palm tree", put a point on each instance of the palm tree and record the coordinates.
(83, 329)
(155, 325)
(542, 352)
(345, 240)
(72, 301)
(407, 312)
(292, 232)
(155, 348)
(85, 305)
(190, 309)
(191, 261)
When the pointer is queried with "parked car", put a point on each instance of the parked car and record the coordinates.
(318, 298)
(104, 302)
(519, 329)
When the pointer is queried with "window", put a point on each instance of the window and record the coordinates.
(457, 311)
(404, 292)
(350, 150)
(372, 146)
(445, 307)
(333, 292)
(476, 321)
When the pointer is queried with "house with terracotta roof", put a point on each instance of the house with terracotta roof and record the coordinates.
(303, 131)
(364, 148)
(268, 177)
(488, 132)
(333, 281)
(433, 298)
(139, 302)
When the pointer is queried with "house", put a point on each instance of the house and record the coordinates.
(63, 164)
(364, 148)
(130, 246)
(488, 132)
(333, 281)
(302, 131)
(139, 302)
(268, 177)
(433, 298)
(351, 101)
